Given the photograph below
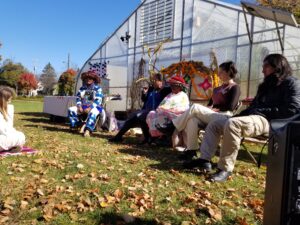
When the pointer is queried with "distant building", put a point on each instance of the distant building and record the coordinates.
(35, 92)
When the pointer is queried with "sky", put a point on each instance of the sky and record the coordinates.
(36, 32)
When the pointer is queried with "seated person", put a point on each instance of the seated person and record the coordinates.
(173, 105)
(10, 138)
(88, 102)
(223, 101)
(278, 97)
(152, 98)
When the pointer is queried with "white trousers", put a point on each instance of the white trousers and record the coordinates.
(13, 139)
(232, 129)
(195, 118)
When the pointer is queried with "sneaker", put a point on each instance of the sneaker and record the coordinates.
(168, 129)
(220, 176)
(202, 164)
(188, 155)
(115, 139)
(86, 133)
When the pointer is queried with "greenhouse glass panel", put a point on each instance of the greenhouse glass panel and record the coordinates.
(156, 21)
(116, 46)
(242, 63)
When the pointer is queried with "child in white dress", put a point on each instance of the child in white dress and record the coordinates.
(10, 138)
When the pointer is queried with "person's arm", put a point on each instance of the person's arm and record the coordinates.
(290, 105)
(10, 112)
(232, 99)
(145, 94)
(78, 100)
(4, 125)
(210, 103)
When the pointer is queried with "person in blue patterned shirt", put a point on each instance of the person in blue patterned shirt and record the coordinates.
(88, 102)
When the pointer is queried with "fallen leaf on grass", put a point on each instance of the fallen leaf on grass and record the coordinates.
(4, 219)
(5, 212)
(215, 212)
(80, 166)
(241, 221)
(186, 223)
(103, 204)
(24, 204)
(40, 192)
(228, 203)
(118, 194)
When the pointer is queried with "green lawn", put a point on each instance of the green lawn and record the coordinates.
(76, 180)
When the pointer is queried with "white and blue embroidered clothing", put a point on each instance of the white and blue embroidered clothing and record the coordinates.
(87, 97)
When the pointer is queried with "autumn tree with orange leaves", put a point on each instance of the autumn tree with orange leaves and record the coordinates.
(27, 82)
(292, 6)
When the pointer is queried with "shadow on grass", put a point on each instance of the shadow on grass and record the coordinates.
(167, 158)
(114, 218)
(37, 120)
(35, 114)
(244, 156)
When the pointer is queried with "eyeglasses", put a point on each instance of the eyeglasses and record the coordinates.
(175, 85)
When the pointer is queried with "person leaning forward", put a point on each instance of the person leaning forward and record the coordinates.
(151, 99)
(278, 97)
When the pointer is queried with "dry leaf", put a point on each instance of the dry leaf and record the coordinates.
(186, 223)
(241, 221)
(118, 193)
(4, 219)
(5, 212)
(44, 181)
(215, 212)
(103, 204)
(40, 192)
(24, 204)
(80, 166)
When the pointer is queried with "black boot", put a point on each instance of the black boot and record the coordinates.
(116, 139)
(188, 155)
(198, 163)
(167, 129)
(220, 176)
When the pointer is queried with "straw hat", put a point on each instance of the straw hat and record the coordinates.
(92, 75)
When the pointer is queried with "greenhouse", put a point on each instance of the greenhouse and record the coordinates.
(163, 32)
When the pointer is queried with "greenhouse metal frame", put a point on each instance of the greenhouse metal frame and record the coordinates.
(195, 28)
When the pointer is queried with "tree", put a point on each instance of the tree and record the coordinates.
(48, 79)
(27, 82)
(292, 6)
(10, 73)
(66, 82)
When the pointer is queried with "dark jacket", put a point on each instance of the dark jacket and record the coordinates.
(154, 97)
(274, 101)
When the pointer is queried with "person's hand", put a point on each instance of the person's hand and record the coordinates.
(145, 90)
(79, 109)
(216, 110)
(87, 110)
